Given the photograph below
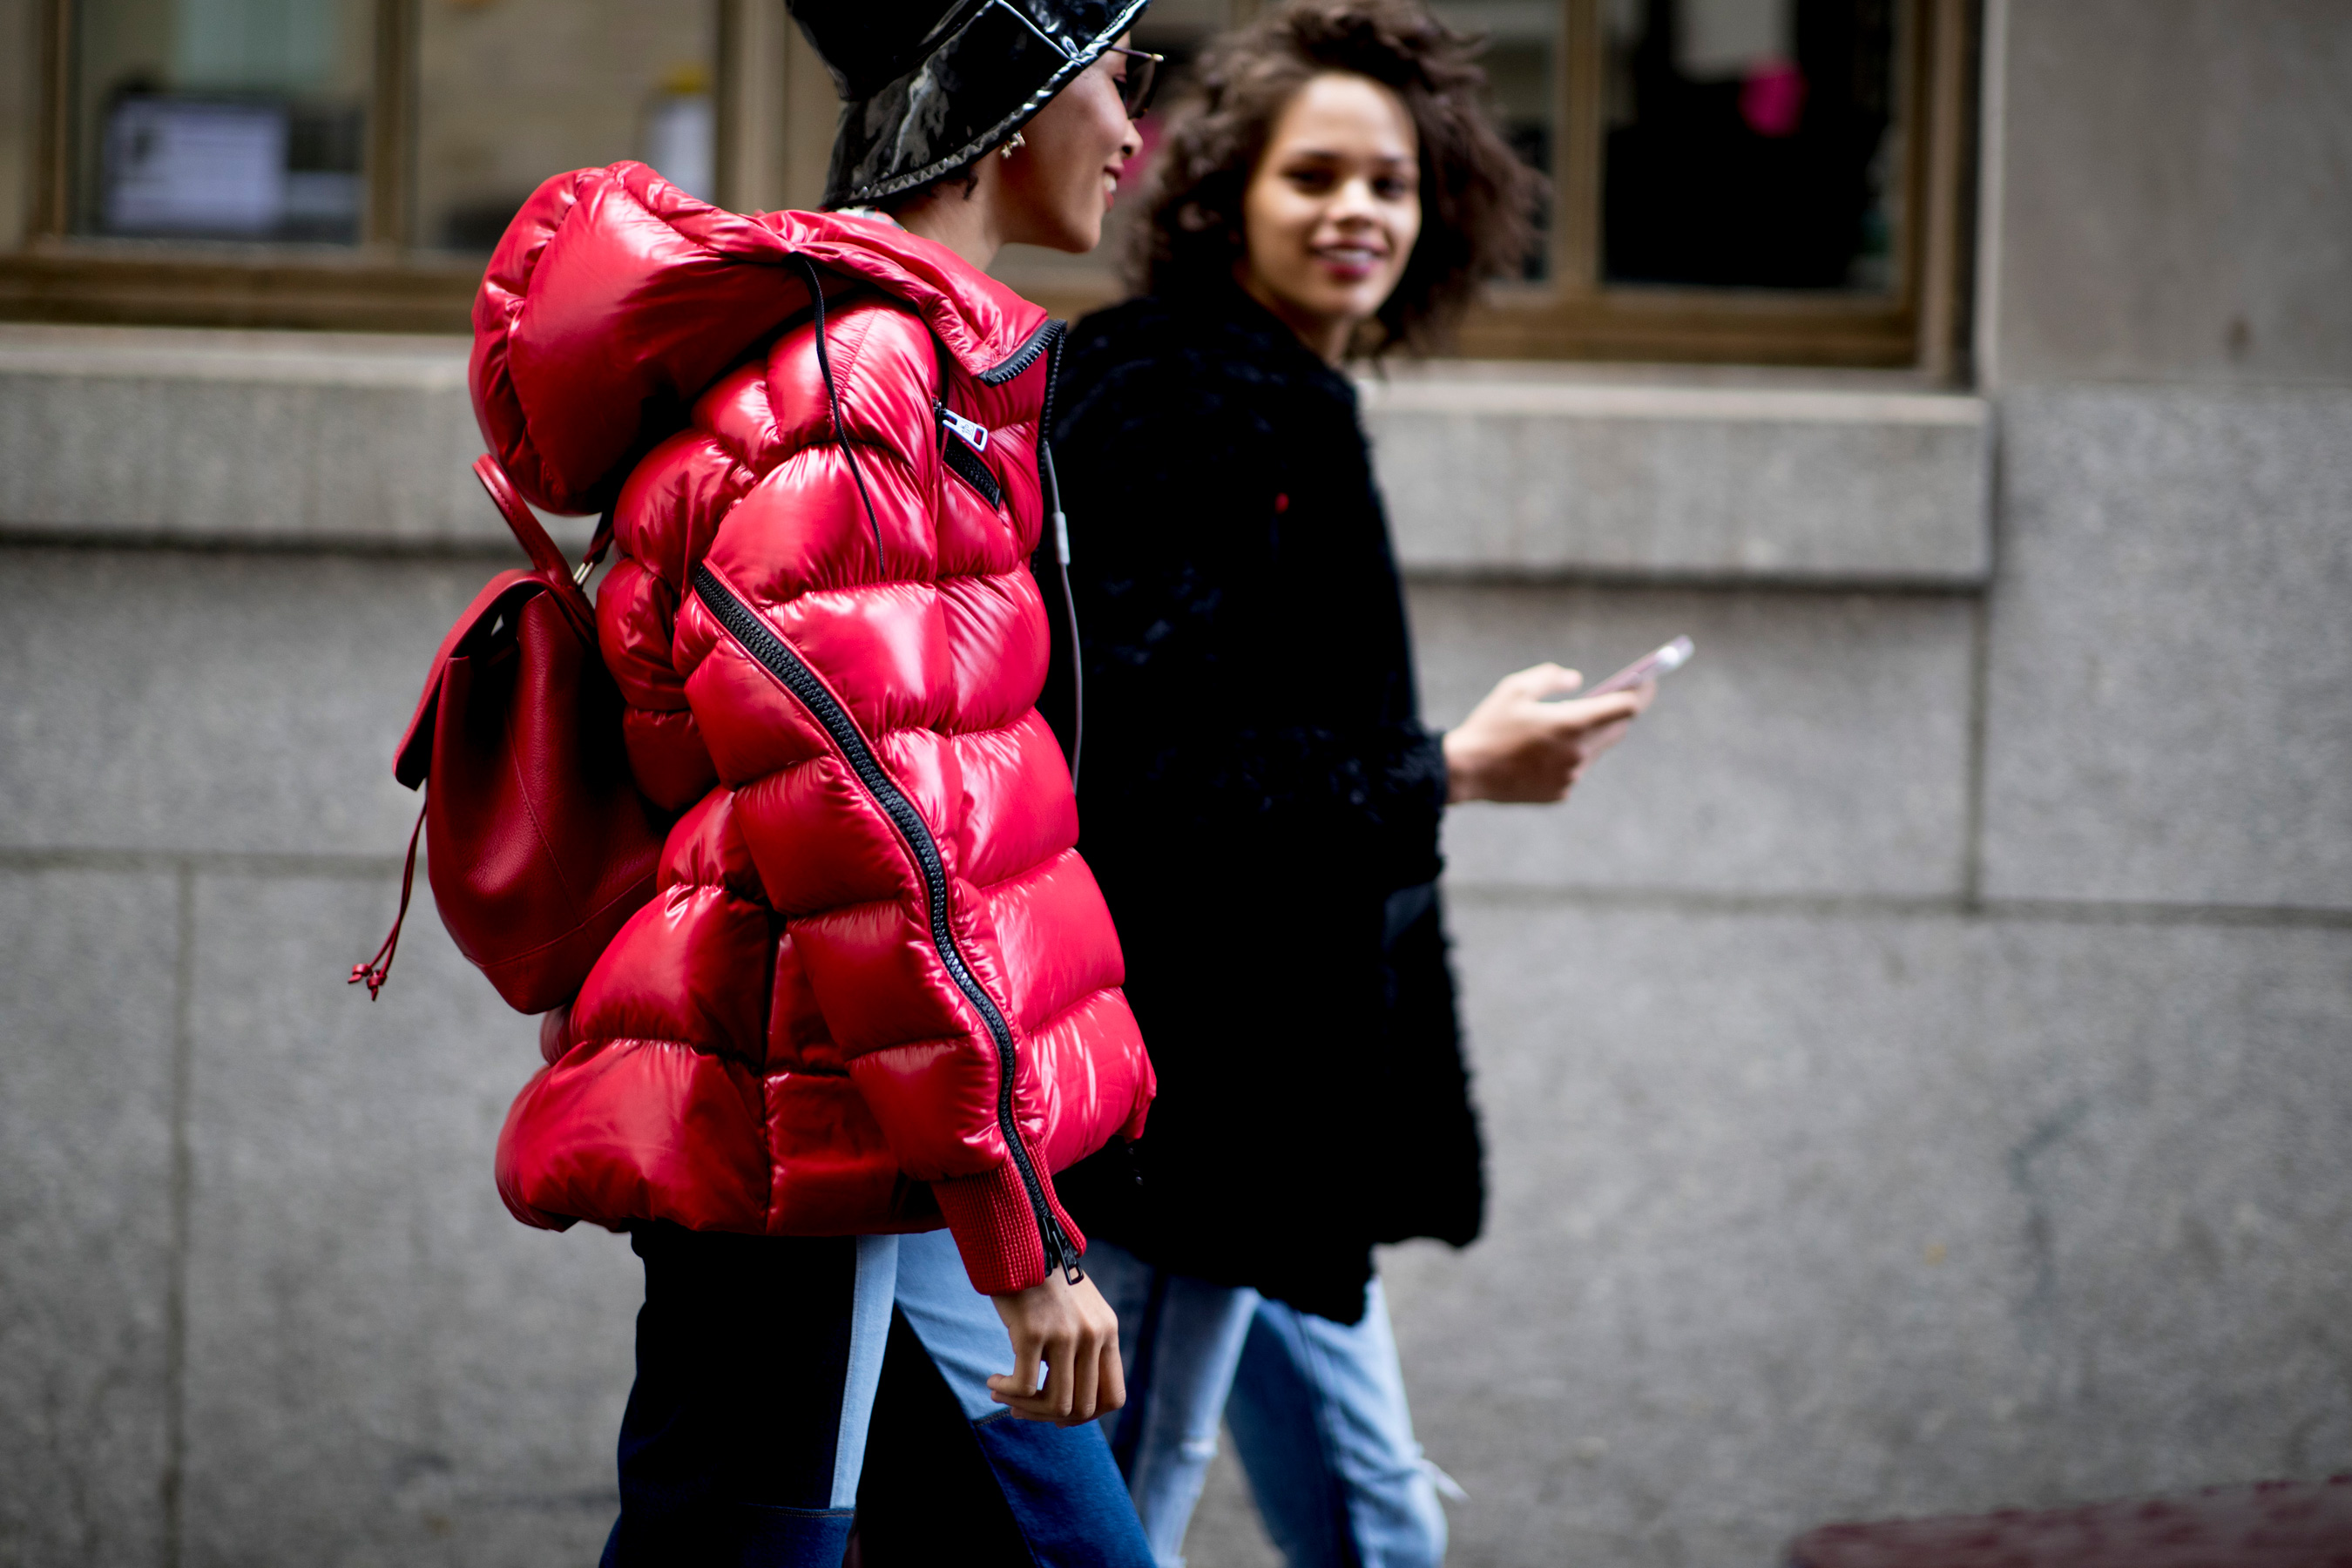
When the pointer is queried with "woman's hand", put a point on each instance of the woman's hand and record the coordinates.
(1074, 1331)
(1517, 746)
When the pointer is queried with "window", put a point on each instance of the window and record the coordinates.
(1765, 181)
(1771, 181)
(1737, 153)
(333, 162)
(510, 91)
(220, 120)
(1761, 181)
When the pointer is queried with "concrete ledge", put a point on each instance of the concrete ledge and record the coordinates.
(352, 440)
(241, 437)
(1539, 477)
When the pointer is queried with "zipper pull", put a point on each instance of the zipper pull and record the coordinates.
(1059, 1253)
(974, 433)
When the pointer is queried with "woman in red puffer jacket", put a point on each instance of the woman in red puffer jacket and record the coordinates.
(877, 991)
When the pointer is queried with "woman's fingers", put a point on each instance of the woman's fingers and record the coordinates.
(1026, 1393)
(1028, 1350)
(1059, 1396)
(1583, 713)
(1030, 1389)
(1086, 1382)
(1061, 1379)
(1522, 744)
(1112, 1388)
(1598, 741)
(1070, 1329)
(1026, 1407)
(1539, 681)
(1082, 1382)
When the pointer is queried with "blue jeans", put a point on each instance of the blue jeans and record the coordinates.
(790, 1388)
(1317, 1412)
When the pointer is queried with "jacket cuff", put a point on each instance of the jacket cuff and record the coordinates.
(995, 1228)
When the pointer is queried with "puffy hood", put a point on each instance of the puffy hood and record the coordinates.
(614, 299)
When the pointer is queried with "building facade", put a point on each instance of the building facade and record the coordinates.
(1918, 1065)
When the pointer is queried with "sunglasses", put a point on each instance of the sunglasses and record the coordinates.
(1143, 79)
(1142, 66)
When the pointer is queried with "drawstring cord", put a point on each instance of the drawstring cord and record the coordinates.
(832, 396)
(376, 970)
(1061, 527)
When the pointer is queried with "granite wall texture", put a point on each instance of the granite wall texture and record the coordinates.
(1918, 1065)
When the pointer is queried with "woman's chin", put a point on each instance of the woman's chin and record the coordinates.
(1076, 234)
(1349, 304)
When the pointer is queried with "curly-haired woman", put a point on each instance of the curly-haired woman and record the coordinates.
(1259, 797)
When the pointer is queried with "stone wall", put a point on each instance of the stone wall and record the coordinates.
(1918, 1064)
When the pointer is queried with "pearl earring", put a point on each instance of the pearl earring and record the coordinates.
(1019, 140)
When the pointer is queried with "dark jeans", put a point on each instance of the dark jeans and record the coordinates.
(789, 1387)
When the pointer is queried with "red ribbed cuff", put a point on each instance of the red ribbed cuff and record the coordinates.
(995, 1228)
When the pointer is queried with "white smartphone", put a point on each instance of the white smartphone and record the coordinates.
(1649, 667)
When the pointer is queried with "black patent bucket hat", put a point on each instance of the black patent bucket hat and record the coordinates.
(927, 88)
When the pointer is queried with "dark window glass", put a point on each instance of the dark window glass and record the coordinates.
(1521, 58)
(510, 91)
(222, 120)
(1750, 144)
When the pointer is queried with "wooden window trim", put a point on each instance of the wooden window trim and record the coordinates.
(775, 115)
(1578, 317)
(1919, 328)
(374, 286)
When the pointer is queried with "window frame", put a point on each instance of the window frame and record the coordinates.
(1576, 316)
(382, 283)
(1920, 328)
(775, 115)
(377, 285)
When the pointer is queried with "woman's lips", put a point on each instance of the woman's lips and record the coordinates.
(1349, 263)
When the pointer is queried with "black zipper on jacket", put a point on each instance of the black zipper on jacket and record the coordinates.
(965, 457)
(780, 660)
(1048, 334)
(1048, 340)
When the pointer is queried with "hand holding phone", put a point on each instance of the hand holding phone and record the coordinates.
(1530, 739)
(1649, 667)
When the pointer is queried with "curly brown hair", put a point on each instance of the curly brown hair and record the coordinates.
(1477, 198)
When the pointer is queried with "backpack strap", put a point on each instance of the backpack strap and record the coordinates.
(527, 529)
(570, 582)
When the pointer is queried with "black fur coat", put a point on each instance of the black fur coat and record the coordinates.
(1260, 801)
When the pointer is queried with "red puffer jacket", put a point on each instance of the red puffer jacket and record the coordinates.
(877, 988)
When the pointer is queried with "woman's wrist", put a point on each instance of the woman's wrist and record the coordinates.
(1463, 775)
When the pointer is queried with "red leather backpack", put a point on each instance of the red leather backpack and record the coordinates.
(537, 841)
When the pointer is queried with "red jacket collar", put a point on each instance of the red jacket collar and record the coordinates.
(983, 323)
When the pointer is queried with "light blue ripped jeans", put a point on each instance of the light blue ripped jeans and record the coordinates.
(1316, 1408)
